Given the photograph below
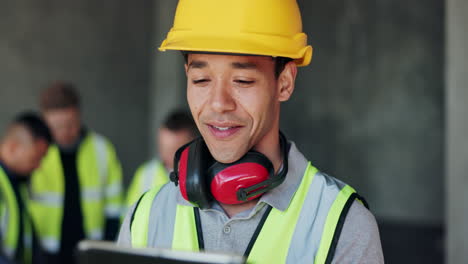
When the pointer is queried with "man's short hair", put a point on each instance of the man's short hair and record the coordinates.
(59, 95)
(280, 62)
(179, 120)
(34, 124)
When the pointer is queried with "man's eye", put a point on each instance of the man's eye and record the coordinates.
(244, 82)
(198, 81)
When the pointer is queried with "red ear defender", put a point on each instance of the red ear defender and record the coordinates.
(201, 178)
(191, 162)
(228, 179)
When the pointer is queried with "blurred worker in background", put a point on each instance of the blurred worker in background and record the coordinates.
(177, 129)
(244, 188)
(22, 148)
(77, 191)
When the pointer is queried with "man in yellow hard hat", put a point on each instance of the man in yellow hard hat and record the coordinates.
(243, 188)
(177, 129)
(22, 148)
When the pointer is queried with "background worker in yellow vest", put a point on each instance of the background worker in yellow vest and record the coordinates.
(77, 191)
(244, 188)
(177, 129)
(22, 148)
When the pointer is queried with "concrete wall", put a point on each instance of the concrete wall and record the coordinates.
(101, 46)
(371, 102)
(457, 130)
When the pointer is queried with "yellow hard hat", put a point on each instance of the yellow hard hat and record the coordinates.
(257, 27)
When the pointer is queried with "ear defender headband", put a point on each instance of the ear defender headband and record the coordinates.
(201, 178)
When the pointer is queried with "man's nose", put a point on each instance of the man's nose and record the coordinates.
(221, 98)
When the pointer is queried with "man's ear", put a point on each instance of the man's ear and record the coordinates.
(286, 81)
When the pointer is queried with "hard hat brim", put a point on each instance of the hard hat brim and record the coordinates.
(266, 45)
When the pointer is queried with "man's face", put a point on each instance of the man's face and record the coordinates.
(65, 125)
(168, 143)
(235, 102)
(28, 155)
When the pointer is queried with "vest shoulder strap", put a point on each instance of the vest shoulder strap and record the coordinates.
(139, 228)
(316, 216)
(334, 224)
(275, 228)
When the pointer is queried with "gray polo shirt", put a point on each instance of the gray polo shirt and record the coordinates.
(359, 241)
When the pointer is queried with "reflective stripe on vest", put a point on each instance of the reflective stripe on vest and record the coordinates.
(310, 236)
(9, 214)
(150, 175)
(47, 191)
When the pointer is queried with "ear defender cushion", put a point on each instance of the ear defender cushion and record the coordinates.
(196, 185)
(183, 173)
(227, 179)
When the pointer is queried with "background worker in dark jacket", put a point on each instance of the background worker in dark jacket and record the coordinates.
(22, 148)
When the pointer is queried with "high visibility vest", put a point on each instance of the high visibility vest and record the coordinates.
(100, 178)
(10, 221)
(306, 232)
(151, 175)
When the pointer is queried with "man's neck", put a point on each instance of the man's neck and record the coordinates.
(74, 146)
(233, 209)
(271, 148)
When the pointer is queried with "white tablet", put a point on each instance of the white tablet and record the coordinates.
(102, 252)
